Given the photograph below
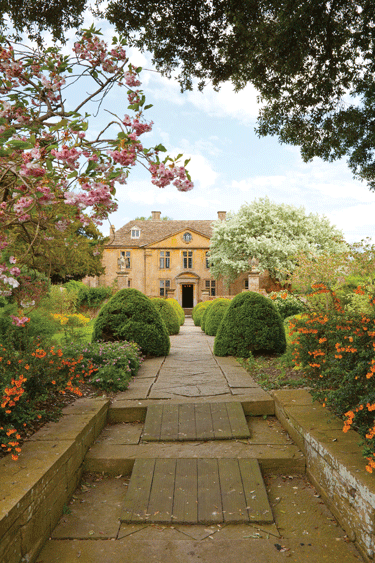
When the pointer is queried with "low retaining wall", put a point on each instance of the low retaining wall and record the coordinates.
(334, 464)
(34, 489)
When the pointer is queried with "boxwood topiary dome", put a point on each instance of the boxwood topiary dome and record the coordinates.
(168, 314)
(130, 315)
(197, 312)
(214, 315)
(204, 314)
(177, 307)
(251, 324)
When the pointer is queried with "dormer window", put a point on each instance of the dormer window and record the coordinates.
(135, 233)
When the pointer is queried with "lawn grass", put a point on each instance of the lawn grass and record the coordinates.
(82, 334)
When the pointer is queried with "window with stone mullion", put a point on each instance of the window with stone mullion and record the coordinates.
(164, 259)
(187, 259)
(163, 286)
(211, 286)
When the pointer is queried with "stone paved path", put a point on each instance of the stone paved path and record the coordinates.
(113, 519)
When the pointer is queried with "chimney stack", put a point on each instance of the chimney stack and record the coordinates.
(155, 215)
(221, 215)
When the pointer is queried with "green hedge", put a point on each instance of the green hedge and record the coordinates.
(130, 315)
(93, 297)
(179, 310)
(286, 304)
(251, 324)
(168, 314)
(204, 314)
(197, 312)
(214, 315)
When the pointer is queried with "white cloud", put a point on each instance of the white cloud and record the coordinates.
(358, 221)
(242, 106)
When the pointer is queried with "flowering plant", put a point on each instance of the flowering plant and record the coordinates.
(53, 172)
(29, 377)
(337, 348)
(115, 363)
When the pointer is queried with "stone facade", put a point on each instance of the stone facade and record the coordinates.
(167, 259)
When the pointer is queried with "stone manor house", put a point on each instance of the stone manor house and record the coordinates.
(167, 258)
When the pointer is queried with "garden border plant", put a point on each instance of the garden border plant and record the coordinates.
(336, 348)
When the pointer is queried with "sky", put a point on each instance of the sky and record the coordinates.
(230, 165)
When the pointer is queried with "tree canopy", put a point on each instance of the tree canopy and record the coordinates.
(272, 234)
(61, 256)
(311, 60)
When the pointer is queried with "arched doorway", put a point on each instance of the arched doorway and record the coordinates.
(187, 284)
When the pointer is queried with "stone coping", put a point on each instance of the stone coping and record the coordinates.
(35, 489)
(334, 464)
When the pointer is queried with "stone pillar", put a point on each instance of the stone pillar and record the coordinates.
(253, 276)
(253, 281)
(122, 280)
(205, 294)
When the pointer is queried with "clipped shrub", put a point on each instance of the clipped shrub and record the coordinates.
(130, 315)
(204, 314)
(195, 311)
(168, 314)
(214, 315)
(198, 312)
(251, 324)
(286, 304)
(179, 310)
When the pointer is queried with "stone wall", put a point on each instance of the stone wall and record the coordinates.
(35, 489)
(334, 464)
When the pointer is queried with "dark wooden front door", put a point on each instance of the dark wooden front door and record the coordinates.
(187, 296)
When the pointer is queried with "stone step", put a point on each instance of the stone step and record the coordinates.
(196, 491)
(195, 421)
(118, 458)
(125, 409)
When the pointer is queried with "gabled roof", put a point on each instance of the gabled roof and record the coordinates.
(155, 231)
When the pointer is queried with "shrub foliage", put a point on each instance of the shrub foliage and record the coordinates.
(286, 304)
(130, 315)
(179, 310)
(251, 325)
(214, 315)
(204, 314)
(197, 312)
(168, 314)
(336, 347)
